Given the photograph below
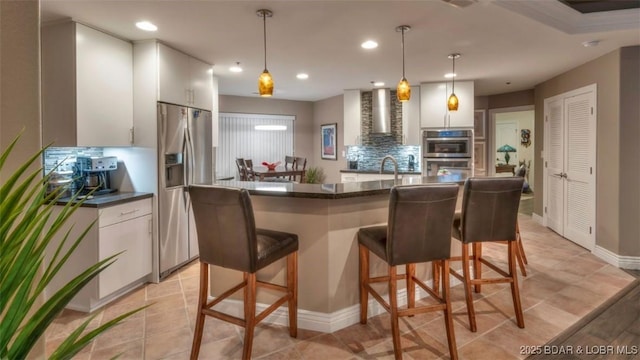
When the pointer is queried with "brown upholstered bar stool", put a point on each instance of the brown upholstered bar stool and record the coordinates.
(228, 237)
(489, 214)
(418, 230)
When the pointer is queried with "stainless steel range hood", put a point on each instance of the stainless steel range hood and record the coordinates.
(381, 110)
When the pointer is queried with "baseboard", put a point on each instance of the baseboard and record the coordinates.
(623, 262)
(318, 321)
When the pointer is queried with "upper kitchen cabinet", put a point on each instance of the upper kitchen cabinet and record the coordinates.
(184, 80)
(352, 115)
(434, 112)
(411, 118)
(87, 87)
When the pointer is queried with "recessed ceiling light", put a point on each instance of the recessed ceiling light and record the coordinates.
(369, 44)
(591, 43)
(450, 75)
(377, 83)
(236, 68)
(146, 26)
(302, 76)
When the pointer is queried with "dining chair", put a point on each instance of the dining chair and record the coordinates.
(248, 165)
(242, 172)
(489, 214)
(228, 237)
(289, 163)
(300, 163)
(418, 230)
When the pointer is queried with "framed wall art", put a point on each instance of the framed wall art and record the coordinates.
(479, 124)
(329, 141)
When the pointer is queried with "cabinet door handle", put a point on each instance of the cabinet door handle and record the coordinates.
(128, 212)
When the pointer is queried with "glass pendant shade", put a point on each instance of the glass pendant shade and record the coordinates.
(265, 84)
(452, 102)
(403, 91)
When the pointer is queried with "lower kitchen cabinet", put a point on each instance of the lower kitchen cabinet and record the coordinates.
(353, 177)
(124, 228)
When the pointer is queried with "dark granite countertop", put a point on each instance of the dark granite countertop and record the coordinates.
(333, 191)
(116, 198)
(386, 172)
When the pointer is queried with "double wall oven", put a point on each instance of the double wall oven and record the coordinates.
(447, 152)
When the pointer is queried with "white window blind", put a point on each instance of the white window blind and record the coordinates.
(239, 138)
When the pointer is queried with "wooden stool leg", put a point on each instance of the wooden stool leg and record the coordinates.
(467, 288)
(448, 317)
(364, 280)
(249, 314)
(435, 274)
(520, 257)
(202, 302)
(393, 304)
(477, 265)
(411, 285)
(292, 289)
(515, 292)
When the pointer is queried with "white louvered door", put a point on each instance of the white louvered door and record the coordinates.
(554, 161)
(570, 123)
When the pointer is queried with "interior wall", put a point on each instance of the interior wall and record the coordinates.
(512, 99)
(605, 72)
(329, 111)
(629, 150)
(302, 110)
(20, 90)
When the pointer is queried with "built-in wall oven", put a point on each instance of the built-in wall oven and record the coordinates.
(447, 152)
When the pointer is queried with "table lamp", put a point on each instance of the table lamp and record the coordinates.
(506, 149)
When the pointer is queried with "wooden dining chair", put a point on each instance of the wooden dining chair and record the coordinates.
(289, 163)
(242, 172)
(248, 165)
(300, 163)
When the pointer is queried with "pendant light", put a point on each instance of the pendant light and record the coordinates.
(265, 81)
(403, 91)
(452, 102)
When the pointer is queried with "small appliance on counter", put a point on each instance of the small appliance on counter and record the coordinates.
(93, 173)
(411, 166)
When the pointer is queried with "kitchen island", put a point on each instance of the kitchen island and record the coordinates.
(326, 218)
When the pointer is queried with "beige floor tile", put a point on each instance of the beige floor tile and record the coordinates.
(359, 337)
(167, 343)
(230, 348)
(122, 333)
(323, 347)
(289, 353)
(165, 304)
(69, 321)
(216, 330)
(166, 287)
(191, 270)
(483, 349)
(168, 321)
(269, 338)
(131, 350)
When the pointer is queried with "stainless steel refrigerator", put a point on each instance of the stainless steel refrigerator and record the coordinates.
(184, 158)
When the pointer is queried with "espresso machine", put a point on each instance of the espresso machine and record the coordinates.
(93, 174)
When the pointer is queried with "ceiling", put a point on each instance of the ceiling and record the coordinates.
(506, 45)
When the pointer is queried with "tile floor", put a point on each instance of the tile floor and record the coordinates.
(565, 283)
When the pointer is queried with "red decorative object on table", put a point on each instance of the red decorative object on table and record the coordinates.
(271, 166)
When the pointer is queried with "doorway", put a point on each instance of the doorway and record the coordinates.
(514, 127)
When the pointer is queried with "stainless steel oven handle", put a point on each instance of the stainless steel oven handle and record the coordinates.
(448, 138)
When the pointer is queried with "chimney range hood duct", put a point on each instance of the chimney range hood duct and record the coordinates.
(381, 110)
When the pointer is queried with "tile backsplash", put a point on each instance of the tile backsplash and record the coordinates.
(370, 156)
(66, 157)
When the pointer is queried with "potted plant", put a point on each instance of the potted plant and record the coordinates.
(314, 175)
(27, 228)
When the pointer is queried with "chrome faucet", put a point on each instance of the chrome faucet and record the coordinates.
(395, 167)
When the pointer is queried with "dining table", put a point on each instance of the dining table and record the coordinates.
(262, 172)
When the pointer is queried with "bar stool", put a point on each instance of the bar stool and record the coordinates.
(489, 214)
(418, 230)
(228, 237)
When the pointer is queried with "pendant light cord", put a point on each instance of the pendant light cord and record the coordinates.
(453, 78)
(264, 24)
(403, 53)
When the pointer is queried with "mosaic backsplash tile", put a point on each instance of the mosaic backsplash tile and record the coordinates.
(370, 156)
(66, 157)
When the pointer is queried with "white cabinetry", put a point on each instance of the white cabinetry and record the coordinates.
(87, 87)
(411, 118)
(355, 177)
(125, 228)
(352, 115)
(434, 112)
(184, 80)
